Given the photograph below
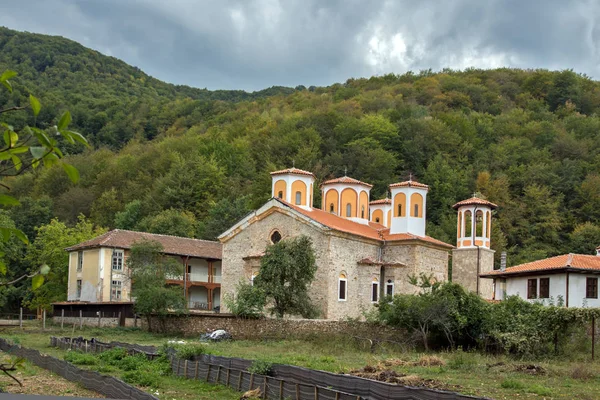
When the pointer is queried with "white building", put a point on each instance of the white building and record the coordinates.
(569, 279)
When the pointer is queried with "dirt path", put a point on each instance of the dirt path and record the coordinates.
(40, 381)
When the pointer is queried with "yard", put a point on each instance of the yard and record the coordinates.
(498, 377)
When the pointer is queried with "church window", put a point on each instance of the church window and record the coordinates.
(416, 210)
(275, 237)
(280, 194)
(331, 208)
(399, 210)
(298, 198)
(342, 287)
(374, 290)
(389, 288)
(362, 212)
(468, 224)
(348, 210)
(377, 219)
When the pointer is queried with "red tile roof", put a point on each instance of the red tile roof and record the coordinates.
(475, 201)
(381, 201)
(409, 184)
(294, 171)
(565, 261)
(371, 230)
(171, 244)
(348, 180)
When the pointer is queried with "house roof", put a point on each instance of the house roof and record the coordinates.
(570, 261)
(294, 171)
(348, 180)
(409, 183)
(371, 230)
(475, 201)
(380, 201)
(174, 245)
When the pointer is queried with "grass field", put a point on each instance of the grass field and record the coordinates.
(497, 377)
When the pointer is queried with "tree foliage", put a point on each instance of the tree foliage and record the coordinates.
(286, 271)
(149, 270)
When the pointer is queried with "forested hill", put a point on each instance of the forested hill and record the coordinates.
(101, 92)
(527, 140)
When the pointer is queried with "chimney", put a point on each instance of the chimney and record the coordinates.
(503, 261)
(598, 251)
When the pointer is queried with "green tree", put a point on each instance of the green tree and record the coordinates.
(49, 249)
(223, 215)
(170, 222)
(585, 238)
(149, 269)
(130, 216)
(286, 271)
(248, 301)
(105, 208)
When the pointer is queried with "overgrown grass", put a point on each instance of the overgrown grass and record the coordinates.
(467, 372)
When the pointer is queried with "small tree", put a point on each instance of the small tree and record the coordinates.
(286, 271)
(248, 302)
(149, 270)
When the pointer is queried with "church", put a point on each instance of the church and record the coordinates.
(364, 249)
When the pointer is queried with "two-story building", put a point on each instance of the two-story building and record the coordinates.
(98, 268)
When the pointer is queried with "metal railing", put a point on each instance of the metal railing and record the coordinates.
(196, 277)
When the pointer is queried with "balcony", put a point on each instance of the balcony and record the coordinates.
(195, 277)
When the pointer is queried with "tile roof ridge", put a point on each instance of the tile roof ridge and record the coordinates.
(163, 235)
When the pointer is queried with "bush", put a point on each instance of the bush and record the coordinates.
(141, 378)
(131, 363)
(261, 368)
(189, 351)
(512, 384)
(77, 358)
(248, 302)
(113, 356)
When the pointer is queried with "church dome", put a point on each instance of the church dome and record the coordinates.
(347, 197)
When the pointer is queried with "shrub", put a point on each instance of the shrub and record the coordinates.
(261, 367)
(77, 358)
(113, 356)
(512, 384)
(105, 369)
(131, 363)
(189, 351)
(248, 302)
(141, 378)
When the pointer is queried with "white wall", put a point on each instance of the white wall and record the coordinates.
(577, 286)
(518, 286)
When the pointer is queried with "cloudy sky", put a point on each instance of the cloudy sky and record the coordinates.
(244, 44)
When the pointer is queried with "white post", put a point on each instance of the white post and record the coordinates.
(80, 320)
(44, 320)
(62, 318)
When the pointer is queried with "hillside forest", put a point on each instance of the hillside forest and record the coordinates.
(191, 162)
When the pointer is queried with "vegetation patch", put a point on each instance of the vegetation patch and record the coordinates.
(77, 358)
(512, 384)
(261, 367)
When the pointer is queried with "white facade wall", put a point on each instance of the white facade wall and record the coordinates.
(517, 286)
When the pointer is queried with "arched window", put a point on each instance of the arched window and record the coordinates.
(416, 211)
(348, 210)
(479, 223)
(298, 198)
(377, 219)
(342, 287)
(280, 194)
(362, 212)
(275, 237)
(468, 224)
(389, 287)
(375, 290)
(331, 208)
(399, 210)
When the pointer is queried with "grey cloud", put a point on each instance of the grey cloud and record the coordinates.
(238, 44)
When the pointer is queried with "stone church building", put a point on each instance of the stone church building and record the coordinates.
(364, 249)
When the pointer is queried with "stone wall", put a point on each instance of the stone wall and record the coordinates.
(194, 325)
(464, 270)
(93, 322)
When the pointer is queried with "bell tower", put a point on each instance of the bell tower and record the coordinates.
(473, 256)
(294, 186)
(347, 197)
